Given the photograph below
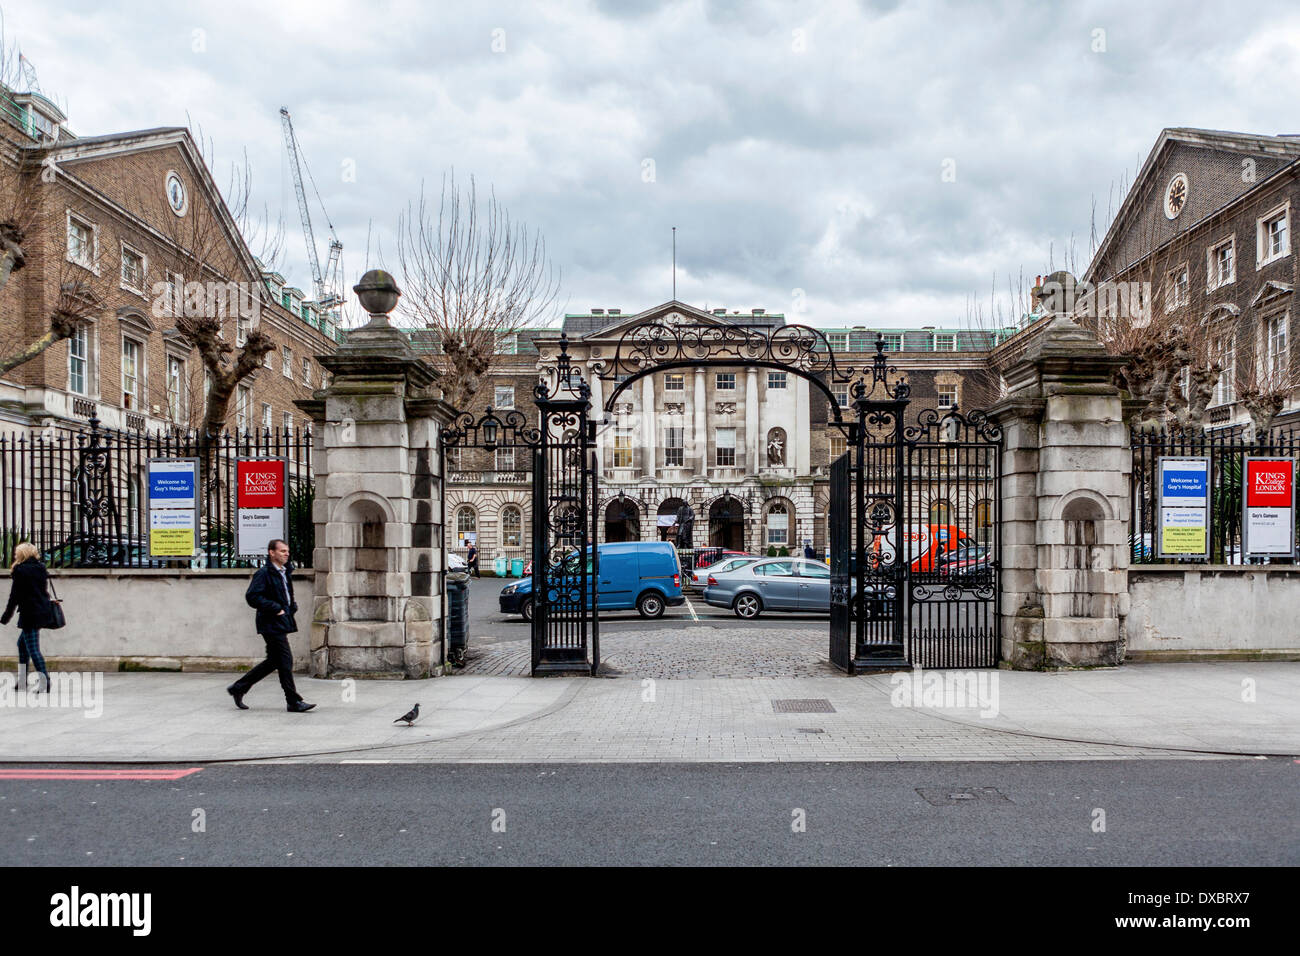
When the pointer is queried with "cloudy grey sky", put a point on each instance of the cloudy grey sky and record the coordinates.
(796, 146)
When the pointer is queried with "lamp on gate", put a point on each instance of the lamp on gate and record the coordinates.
(490, 428)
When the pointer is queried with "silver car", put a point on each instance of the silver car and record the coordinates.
(776, 584)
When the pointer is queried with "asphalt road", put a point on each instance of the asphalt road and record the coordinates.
(1166, 812)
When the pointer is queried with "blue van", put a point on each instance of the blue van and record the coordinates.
(633, 574)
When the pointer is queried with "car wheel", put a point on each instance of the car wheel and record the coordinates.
(748, 606)
(650, 604)
(526, 609)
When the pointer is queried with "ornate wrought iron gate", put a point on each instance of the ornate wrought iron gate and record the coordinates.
(914, 528)
(565, 620)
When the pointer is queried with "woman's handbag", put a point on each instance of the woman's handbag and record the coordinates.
(57, 620)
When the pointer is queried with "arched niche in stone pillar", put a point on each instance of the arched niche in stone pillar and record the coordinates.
(368, 560)
(1082, 513)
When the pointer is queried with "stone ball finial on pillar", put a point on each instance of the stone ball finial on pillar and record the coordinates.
(378, 292)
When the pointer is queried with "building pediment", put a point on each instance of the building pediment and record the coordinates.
(1269, 291)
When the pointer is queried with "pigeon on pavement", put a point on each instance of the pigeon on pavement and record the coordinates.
(409, 716)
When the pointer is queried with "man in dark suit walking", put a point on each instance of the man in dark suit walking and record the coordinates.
(271, 593)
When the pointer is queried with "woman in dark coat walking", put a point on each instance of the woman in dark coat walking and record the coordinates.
(28, 596)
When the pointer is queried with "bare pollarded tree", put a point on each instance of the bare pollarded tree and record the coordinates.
(472, 277)
(200, 255)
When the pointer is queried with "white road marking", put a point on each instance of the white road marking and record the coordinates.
(365, 761)
(691, 608)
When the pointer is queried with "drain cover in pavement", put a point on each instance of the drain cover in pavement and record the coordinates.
(945, 797)
(806, 705)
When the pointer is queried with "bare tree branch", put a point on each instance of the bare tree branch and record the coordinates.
(471, 276)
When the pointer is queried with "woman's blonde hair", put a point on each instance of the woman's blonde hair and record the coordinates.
(23, 552)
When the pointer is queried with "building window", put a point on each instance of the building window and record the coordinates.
(507, 344)
(623, 448)
(130, 373)
(838, 446)
(79, 361)
(286, 423)
(176, 387)
(504, 397)
(82, 242)
(266, 360)
(306, 370)
(725, 443)
(945, 342)
(893, 341)
(674, 383)
(947, 396)
(243, 406)
(1278, 360)
(838, 341)
(466, 526)
(286, 361)
(1221, 268)
(1274, 240)
(512, 527)
(267, 418)
(841, 393)
(725, 382)
(983, 521)
(940, 512)
(674, 447)
(778, 524)
(133, 269)
(243, 325)
(175, 303)
(776, 379)
(1225, 354)
(1176, 289)
(505, 459)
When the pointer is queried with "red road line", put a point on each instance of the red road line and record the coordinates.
(73, 773)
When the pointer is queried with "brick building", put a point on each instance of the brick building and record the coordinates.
(106, 215)
(1208, 224)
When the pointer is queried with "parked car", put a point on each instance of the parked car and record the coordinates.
(633, 574)
(704, 557)
(779, 584)
(721, 566)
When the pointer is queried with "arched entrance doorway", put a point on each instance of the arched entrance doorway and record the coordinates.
(622, 520)
(727, 524)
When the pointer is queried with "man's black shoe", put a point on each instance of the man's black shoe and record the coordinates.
(300, 707)
(238, 694)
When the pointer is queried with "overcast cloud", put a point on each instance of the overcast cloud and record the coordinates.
(796, 146)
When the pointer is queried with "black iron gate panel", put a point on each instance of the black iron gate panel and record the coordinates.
(566, 635)
(564, 609)
(914, 524)
(953, 555)
(841, 548)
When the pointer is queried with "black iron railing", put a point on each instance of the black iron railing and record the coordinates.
(1226, 450)
(80, 495)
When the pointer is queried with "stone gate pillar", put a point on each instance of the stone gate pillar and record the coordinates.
(377, 608)
(1065, 513)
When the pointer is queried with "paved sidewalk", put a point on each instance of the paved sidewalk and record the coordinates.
(1140, 710)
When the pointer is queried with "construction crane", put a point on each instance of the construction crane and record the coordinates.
(327, 285)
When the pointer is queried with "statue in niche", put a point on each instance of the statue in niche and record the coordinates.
(776, 447)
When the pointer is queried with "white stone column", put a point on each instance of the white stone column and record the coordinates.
(753, 421)
(648, 437)
(798, 444)
(700, 428)
(598, 415)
